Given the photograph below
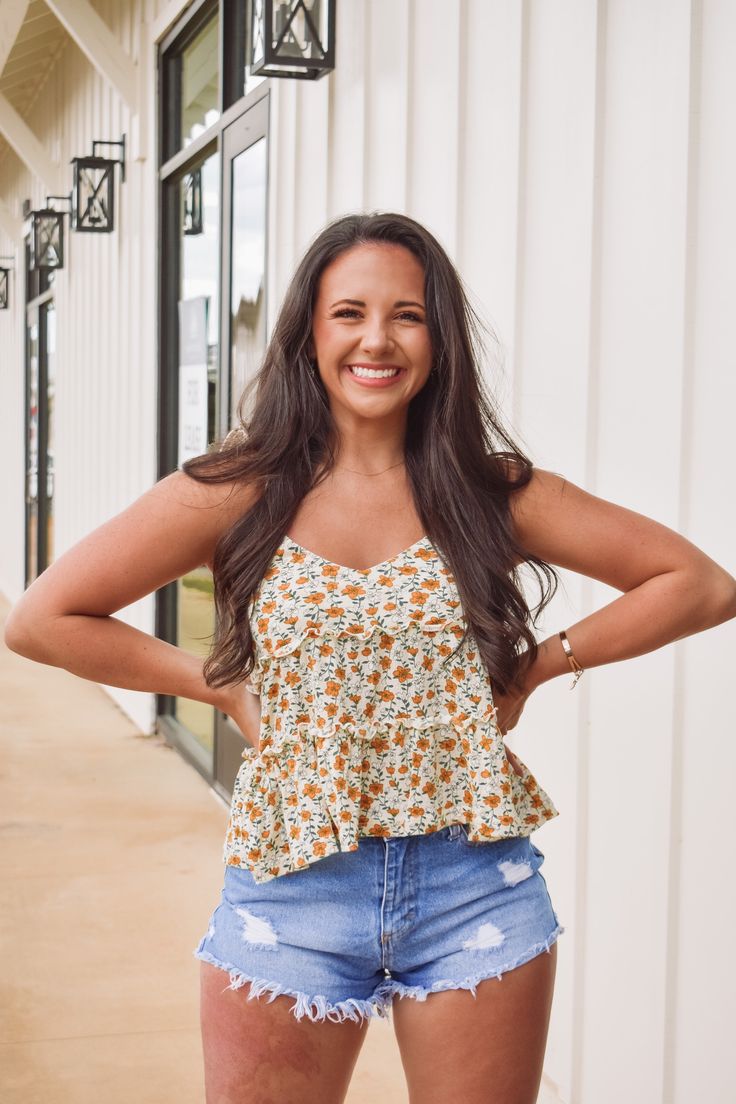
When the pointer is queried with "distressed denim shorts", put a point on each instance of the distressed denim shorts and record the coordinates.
(401, 915)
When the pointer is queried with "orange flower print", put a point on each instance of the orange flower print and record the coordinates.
(403, 674)
(418, 598)
(363, 725)
(314, 599)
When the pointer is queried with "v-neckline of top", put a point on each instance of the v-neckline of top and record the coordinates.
(359, 570)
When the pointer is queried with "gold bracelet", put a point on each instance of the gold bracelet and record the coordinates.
(575, 667)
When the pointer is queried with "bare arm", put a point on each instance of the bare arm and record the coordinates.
(65, 617)
(671, 589)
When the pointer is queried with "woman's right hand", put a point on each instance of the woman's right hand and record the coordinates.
(243, 707)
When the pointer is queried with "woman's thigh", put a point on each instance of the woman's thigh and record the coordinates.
(257, 1051)
(487, 1049)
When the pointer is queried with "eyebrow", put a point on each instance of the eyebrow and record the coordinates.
(398, 303)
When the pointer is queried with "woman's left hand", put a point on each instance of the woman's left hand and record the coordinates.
(509, 708)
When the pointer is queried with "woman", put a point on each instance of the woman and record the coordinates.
(365, 530)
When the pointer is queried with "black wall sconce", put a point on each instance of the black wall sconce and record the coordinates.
(93, 190)
(5, 284)
(292, 38)
(47, 235)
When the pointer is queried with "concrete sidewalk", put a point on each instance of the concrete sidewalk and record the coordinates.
(111, 865)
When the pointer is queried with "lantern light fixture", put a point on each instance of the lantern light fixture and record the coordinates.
(292, 38)
(93, 189)
(47, 235)
(5, 283)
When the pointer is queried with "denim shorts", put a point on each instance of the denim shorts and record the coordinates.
(401, 915)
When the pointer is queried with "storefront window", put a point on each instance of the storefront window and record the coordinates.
(248, 315)
(200, 93)
(198, 317)
(213, 217)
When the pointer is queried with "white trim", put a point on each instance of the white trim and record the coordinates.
(27, 146)
(95, 39)
(12, 14)
(166, 19)
(10, 224)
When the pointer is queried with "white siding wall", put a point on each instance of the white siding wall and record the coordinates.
(578, 160)
(105, 404)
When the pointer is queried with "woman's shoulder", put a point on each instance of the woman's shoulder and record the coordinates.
(217, 505)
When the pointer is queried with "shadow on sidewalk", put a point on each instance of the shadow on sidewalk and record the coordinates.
(111, 865)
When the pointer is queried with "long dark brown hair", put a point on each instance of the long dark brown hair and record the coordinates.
(461, 462)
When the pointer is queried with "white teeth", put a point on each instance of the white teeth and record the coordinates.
(373, 373)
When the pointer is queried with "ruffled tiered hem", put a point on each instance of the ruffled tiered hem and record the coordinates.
(316, 793)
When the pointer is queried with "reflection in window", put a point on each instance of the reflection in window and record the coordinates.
(200, 254)
(200, 95)
(32, 566)
(50, 312)
(248, 313)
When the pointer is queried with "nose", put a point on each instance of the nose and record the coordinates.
(376, 339)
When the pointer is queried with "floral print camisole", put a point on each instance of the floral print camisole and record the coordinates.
(377, 717)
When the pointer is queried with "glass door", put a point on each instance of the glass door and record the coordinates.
(243, 315)
(212, 341)
(40, 383)
(198, 208)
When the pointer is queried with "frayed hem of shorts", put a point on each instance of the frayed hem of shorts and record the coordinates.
(316, 1008)
(391, 988)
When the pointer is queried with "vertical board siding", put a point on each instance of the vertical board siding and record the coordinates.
(551, 380)
(347, 114)
(311, 162)
(703, 985)
(642, 280)
(487, 186)
(432, 140)
(387, 132)
(105, 400)
(578, 162)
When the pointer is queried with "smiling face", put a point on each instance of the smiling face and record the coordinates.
(370, 331)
